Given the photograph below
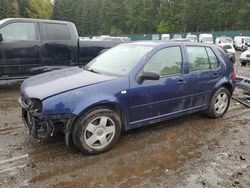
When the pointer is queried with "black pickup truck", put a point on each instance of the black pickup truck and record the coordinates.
(33, 46)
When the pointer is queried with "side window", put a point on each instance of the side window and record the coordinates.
(198, 59)
(18, 32)
(212, 58)
(56, 31)
(165, 62)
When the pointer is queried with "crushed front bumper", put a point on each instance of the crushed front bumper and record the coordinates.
(44, 126)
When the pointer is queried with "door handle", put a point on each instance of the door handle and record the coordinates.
(215, 75)
(181, 82)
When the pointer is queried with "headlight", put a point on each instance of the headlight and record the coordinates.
(35, 104)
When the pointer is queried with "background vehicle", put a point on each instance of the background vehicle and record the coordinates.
(223, 40)
(240, 41)
(177, 36)
(193, 38)
(229, 48)
(230, 51)
(245, 58)
(33, 46)
(165, 37)
(181, 40)
(84, 38)
(126, 87)
(206, 38)
(117, 39)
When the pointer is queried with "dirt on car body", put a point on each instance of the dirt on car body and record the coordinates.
(192, 151)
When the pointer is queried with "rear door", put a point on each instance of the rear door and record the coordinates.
(204, 72)
(58, 46)
(20, 50)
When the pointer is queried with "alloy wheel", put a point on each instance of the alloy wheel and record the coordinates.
(99, 132)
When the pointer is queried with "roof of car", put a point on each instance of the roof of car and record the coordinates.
(166, 43)
(34, 20)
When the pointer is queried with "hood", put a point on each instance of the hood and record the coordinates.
(54, 82)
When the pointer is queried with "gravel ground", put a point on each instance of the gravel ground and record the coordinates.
(192, 151)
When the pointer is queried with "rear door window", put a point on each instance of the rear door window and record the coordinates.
(198, 58)
(201, 58)
(56, 31)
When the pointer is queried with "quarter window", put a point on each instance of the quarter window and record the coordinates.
(198, 59)
(166, 62)
(56, 31)
(18, 32)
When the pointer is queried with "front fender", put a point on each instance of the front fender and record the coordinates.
(79, 100)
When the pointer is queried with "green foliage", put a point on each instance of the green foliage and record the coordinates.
(8, 8)
(23, 7)
(115, 31)
(163, 27)
(117, 17)
(39, 9)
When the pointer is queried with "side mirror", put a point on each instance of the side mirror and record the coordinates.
(1, 37)
(148, 76)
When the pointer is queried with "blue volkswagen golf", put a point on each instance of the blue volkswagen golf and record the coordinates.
(128, 86)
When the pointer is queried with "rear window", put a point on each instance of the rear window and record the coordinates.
(56, 31)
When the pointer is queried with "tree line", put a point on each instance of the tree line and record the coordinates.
(118, 17)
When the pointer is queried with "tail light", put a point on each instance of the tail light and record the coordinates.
(234, 74)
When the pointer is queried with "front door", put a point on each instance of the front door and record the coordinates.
(153, 99)
(20, 52)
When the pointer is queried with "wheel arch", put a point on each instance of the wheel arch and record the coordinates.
(108, 105)
(228, 86)
(226, 83)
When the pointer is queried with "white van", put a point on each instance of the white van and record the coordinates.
(193, 38)
(165, 37)
(206, 38)
(240, 41)
(223, 40)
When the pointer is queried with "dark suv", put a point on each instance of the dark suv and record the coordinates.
(126, 87)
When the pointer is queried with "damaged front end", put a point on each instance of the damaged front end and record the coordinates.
(44, 126)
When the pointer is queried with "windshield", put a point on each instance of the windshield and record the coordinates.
(207, 39)
(226, 40)
(228, 47)
(247, 40)
(118, 61)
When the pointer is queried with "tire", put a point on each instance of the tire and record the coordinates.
(97, 131)
(243, 64)
(219, 103)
